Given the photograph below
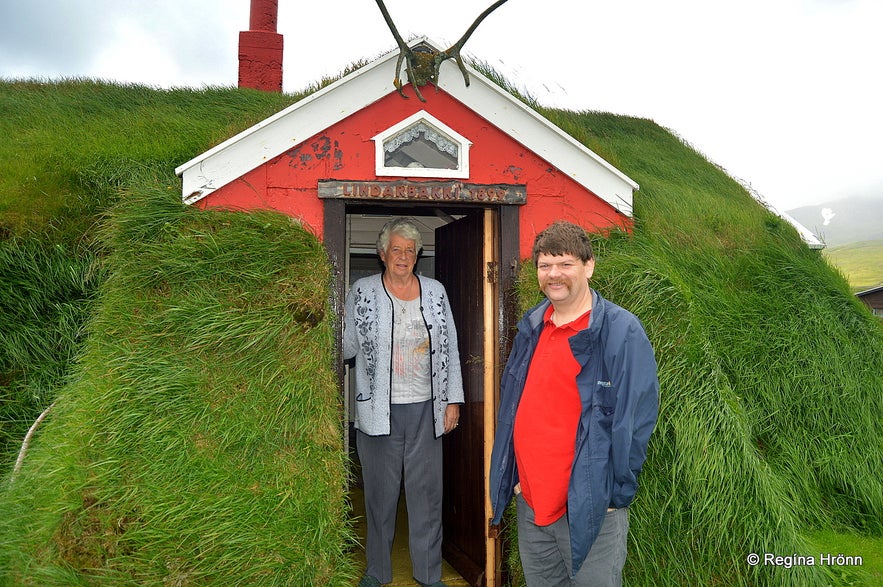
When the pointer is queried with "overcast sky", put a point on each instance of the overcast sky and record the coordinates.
(785, 95)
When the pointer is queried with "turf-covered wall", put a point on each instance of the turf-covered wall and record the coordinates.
(200, 440)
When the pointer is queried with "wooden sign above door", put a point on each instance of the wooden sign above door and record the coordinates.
(425, 191)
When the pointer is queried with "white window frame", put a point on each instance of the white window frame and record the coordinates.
(462, 171)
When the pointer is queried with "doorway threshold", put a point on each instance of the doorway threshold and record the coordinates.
(401, 560)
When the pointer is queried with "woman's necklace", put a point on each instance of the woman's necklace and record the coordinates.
(396, 299)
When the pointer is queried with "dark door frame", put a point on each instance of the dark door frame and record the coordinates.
(507, 237)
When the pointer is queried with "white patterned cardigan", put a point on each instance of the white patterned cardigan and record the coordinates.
(367, 336)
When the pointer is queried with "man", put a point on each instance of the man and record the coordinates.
(579, 401)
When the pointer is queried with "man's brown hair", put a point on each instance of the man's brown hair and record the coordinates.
(562, 238)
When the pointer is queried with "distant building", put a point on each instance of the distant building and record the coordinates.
(873, 298)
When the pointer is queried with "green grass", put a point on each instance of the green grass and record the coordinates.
(46, 293)
(861, 263)
(200, 442)
(870, 549)
(68, 149)
(68, 146)
(196, 434)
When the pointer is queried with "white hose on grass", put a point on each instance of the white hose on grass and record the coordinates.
(27, 442)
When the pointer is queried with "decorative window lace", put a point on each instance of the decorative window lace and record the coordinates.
(442, 142)
(421, 146)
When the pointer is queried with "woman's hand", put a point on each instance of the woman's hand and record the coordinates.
(452, 417)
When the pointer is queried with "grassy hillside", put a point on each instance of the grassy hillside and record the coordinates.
(67, 149)
(199, 441)
(189, 444)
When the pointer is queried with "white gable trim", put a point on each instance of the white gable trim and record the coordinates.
(313, 114)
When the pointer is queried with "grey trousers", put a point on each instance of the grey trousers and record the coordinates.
(413, 449)
(546, 556)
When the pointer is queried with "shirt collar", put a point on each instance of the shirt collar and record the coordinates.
(576, 325)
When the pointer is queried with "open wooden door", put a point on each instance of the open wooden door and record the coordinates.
(466, 255)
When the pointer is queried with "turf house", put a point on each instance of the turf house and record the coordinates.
(181, 321)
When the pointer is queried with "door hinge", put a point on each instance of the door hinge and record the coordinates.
(493, 269)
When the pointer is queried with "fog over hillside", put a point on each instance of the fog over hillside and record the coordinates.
(844, 221)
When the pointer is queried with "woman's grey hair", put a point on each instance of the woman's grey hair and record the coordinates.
(402, 227)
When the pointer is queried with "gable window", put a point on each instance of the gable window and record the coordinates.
(422, 146)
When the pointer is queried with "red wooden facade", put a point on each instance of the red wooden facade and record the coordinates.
(345, 151)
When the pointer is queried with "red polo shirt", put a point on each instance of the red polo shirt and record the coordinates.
(547, 419)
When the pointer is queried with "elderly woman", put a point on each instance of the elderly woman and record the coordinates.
(399, 327)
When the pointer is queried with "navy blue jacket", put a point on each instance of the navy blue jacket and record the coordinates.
(619, 391)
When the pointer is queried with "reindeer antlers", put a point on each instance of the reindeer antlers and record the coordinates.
(422, 66)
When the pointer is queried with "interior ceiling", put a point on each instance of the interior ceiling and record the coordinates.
(364, 229)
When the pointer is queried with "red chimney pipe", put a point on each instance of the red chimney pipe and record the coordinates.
(260, 49)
